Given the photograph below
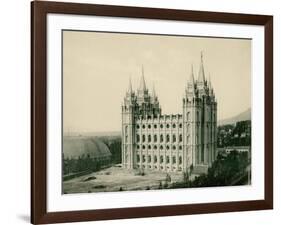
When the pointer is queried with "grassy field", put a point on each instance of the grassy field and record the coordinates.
(116, 179)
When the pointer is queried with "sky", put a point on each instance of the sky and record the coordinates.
(97, 67)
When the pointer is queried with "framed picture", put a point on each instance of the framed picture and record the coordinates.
(144, 112)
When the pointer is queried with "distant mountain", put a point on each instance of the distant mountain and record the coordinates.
(246, 115)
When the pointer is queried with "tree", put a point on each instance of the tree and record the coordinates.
(224, 172)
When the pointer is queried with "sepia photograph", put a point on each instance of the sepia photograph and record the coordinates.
(147, 112)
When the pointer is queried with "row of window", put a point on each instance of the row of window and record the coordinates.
(161, 159)
(160, 167)
(161, 147)
(161, 126)
(161, 138)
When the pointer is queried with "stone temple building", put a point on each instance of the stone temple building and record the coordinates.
(177, 142)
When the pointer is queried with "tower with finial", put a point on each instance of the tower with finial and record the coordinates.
(154, 141)
(128, 112)
(139, 105)
(200, 121)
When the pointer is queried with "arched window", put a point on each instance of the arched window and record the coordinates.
(167, 138)
(167, 125)
(149, 138)
(138, 158)
(174, 147)
(155, 126)
(174, 138)
(180, 160)
(143, 138)
(174, 125)
(180, 137)
(167, 159)
(155, 147)
(167, 147)
(149, 146)
(138, 138)
(143, 147)
(138, 126)
(161, 159)
(155, 138)
(188, 116)
(155, 159)
(149, 158)
(161, 147)
(143, 126)
(149, 126)
(138, 147)
(161, 125)
(161, 138)
(180, 147)
(202, 155)
(143, 158)
(180, 125)
(174, 160)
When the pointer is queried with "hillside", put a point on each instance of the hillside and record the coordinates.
(246, 115)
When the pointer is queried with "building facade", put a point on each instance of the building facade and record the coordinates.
(153, 141)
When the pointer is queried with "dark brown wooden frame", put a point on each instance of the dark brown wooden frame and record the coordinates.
(39, 11)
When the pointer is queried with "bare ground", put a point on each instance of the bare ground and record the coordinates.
(116, 179)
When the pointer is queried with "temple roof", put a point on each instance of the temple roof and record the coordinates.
(74, 147)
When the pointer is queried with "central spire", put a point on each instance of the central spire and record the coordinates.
(142, 82)
(201, 78)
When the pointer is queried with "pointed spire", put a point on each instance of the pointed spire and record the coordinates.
(211, 90)
(191, 79)
(191, 83)
(209, 81)
(142, 82)
(130, 89)
(201, 77)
